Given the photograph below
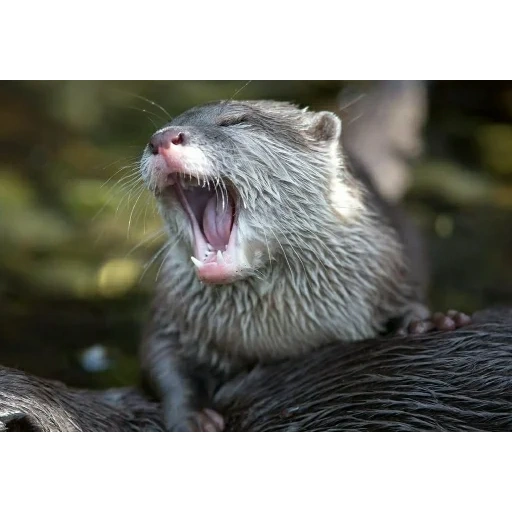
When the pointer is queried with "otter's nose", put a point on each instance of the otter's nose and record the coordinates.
(163, 140)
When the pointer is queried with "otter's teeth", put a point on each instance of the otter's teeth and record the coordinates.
(187, 181)
(196, 262)
(210, 248)
(220, 258)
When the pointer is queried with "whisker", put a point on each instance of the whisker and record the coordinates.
(165, 258)
(353, 101)
(152, 236)
(148, 114)
(133, 165)
(225, 102)
(128, 178)
(139, 214)
(154, 103)
(284, 252)
(131, 160)
(131, 213)
(129, 185)
(154, 257)
(112, 196)
(240, 90)
(127, 196)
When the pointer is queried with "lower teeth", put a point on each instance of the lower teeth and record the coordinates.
(199, 264)
(196, 262)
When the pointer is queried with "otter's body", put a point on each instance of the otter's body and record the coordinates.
(278, 245)
(452, 381)
(348, 285)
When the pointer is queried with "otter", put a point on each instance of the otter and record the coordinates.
(278, 244)
(452, 381)
(33, 404)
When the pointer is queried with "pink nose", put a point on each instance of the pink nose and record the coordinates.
(163, 140)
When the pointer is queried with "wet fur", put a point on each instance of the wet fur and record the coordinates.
(451, 381)
(327, 259)
(28, 403)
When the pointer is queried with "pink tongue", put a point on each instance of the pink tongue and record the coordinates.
(217, 221)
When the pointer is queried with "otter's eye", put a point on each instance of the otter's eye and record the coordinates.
(232, 121)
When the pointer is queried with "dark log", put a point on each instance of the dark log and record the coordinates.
(455, 381)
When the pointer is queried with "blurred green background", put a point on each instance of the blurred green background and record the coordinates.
(78, 235)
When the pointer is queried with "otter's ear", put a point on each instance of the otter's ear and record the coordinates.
(325, 126)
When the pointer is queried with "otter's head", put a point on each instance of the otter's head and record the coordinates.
(246, 182)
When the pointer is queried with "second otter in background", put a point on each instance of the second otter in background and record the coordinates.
(278, 244)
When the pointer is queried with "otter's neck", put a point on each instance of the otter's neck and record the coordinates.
(341, 285)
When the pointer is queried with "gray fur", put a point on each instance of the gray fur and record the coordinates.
(315, 271)
(453, 381)
(29, 403)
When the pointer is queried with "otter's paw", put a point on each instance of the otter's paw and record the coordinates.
(448, 321)
(206, 420)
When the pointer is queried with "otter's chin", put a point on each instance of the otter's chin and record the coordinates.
(219, 266)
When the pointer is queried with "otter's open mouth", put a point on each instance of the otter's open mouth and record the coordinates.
(211, 209)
